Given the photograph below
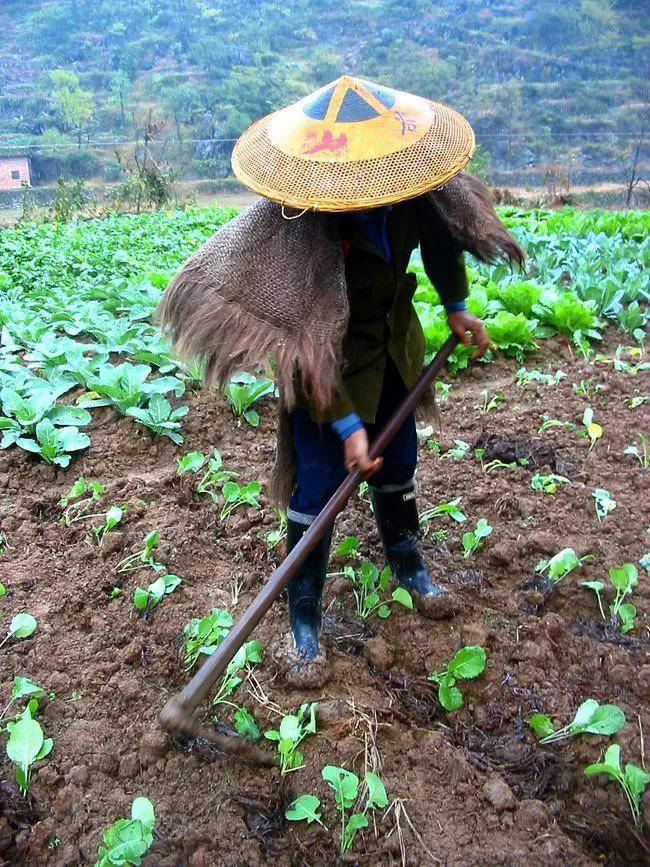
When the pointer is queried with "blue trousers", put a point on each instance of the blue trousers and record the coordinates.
(320, 466)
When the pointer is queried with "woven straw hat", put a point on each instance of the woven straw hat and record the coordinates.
(352, 145)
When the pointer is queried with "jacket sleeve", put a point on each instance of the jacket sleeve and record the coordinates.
(442, 257)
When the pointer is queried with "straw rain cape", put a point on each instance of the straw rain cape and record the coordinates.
(266, 286)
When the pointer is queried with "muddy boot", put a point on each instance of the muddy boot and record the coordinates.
(397, 519)
(307, 664)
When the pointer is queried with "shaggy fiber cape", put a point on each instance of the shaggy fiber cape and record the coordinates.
(266, 286)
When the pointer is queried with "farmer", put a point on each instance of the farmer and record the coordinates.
(354, 178)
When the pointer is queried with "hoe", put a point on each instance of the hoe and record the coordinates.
(178, 715)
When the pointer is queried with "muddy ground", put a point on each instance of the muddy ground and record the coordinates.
(473, 787)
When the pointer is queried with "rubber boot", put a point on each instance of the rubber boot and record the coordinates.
(398, 522)
(305, 592)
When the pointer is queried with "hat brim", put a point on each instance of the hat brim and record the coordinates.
(340, 185)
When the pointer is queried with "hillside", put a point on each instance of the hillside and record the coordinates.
(543, 83)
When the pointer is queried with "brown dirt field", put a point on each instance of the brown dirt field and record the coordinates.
(477, 787)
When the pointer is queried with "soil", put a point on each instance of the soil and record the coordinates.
(473, 787)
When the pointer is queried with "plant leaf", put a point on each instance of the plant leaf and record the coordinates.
(22, 625)
(468, 663)
(304, 808)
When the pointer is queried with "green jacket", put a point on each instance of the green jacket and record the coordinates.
(383, 320)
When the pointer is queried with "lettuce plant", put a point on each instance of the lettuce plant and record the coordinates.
(26, 745)
(369, 589)
(590, 718)
(79, 499)
(235, 495)
(623, 580)
(204, 634)
(450, 508)
(293, 729)
(548, 484)
(604, 502)
(22, 626)
(560, 564)
(146, 600)
(111, 519)
(473, 539)
(248, 655)
(345, 785)
(304, 809)
(54, 444)
(160, 418)
(632, 780)
(127, 840)
(143, 557)
(244, 390)
(467, 664)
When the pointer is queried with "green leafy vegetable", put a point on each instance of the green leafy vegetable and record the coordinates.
(632, 780)
(473, 539)
(467, 664)
(127, 840)
(293, 729)
(146, 600)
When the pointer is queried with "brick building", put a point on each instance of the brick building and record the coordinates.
(13, 171)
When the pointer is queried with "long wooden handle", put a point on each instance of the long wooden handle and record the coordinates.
(198, 688)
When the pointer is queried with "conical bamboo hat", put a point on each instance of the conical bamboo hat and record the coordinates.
(352, 145)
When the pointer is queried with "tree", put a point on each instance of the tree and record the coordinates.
(75, 105)
(120, 88)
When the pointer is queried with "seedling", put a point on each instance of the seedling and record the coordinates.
(235, 495)
(304, 808)
(204, 634)
(274, 537)
(79, 499)
(111, 519)
(632, 781)
(585, 388)
(369, 589)
(160, 418)
(642, 456)
(22, 626)
(248, 655)
(245, 724)
(590, 718)
(23, 687)
(213, 475)
(467, 664)
(623, 580)
(243, 390)
(190, 463)
(560, 564)
(26, 746)
(450, 508)
(604, 501)
(127, 840)
(491, 403)
(144, 557)
(525, 377)
(593, 431)
(293, 729)
(548, 484)
(345, 785)
(349, 547)
(146, 600)
(473, 539)
(554, 422)
(458, 451)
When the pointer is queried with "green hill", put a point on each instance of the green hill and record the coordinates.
(543, 83)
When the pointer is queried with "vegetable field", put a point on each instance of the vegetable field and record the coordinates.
(135, 526)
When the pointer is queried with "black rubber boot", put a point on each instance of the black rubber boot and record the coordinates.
(305, 592)
(398, 522)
